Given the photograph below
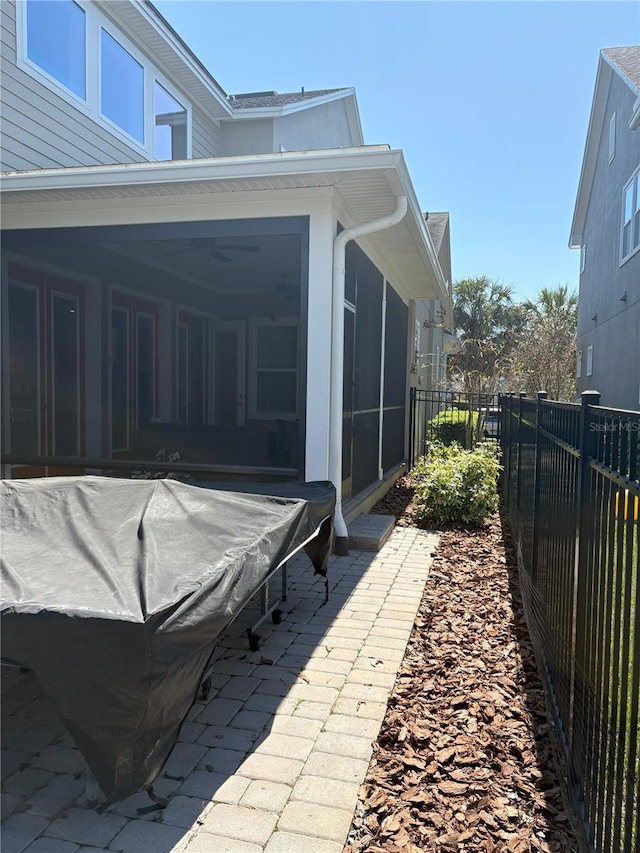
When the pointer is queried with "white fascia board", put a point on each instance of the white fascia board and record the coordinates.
(153, 18)
(290, 163)
(594, 131)
(287, 109)
(416, 210)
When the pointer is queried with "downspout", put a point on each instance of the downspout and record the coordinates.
(337, 356)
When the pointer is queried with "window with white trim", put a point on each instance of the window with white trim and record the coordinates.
(73, 49)
(273, 348)
(121, 87)
(612, 137)
(631, 217)
(590, 360)
(583, 254)
(579, 364)
(56, 42)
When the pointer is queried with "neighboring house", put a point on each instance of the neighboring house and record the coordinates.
(606, 228)
(434, 340)
(172, 269)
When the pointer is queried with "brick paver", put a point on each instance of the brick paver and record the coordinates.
(272, 762)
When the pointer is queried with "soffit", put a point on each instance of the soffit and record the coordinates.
(404, 252)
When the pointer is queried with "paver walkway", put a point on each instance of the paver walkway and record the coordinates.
(273, 761)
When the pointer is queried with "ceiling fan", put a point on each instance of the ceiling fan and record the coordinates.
(285, 287)
(214, 249)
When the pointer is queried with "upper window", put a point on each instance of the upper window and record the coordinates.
(56, 42)
(631, 217)
(121, 87)
(73, 49)
(170, 126)
(583, 257)
(612, 137)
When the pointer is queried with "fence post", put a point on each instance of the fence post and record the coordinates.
(507, 494)
(412, 416)
(519, 468)
(581, 563)
(542, 395)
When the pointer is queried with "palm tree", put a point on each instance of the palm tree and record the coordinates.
(485, 319)
(550, 300)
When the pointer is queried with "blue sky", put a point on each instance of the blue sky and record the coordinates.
(489, 101)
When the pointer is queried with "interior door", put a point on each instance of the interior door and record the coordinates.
(229, 372)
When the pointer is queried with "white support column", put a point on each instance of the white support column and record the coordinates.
(322, 228)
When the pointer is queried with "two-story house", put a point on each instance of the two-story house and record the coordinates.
(233, 278)
(606, 228)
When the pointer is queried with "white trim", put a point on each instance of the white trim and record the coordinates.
(29, 66)
(612, 136)
(256, 323)
(151, 15)
(589, 370)
(579, 364)
(606, 68)
(95, 21)
(244, 186)
(322, 229)
(583, 253)
(634, 184)
(237, 167)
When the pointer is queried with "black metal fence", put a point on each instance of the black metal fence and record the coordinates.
(570, 485)
(467, 417)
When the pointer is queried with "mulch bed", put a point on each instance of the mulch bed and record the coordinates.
(464, 761)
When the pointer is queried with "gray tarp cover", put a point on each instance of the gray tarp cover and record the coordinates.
(114, 592)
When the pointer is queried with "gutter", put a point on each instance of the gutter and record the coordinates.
(341, 546)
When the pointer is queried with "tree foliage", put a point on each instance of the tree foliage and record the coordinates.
(503, 345)
(486, 321)
(544, 358)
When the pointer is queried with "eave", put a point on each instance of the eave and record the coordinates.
(606, 69)
(367, 179)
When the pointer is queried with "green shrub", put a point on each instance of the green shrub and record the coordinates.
(454, 425)
(457, 485)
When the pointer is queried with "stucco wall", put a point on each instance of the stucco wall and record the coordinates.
(615, 334)
(324, 126)
(254, 136)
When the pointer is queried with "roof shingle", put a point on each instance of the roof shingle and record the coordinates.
(627, 59)
(436, 226)
(274, 99)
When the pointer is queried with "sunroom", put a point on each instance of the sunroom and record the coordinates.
(193, 310)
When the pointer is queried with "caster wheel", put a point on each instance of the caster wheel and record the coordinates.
(254, 641)
(276, 617)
